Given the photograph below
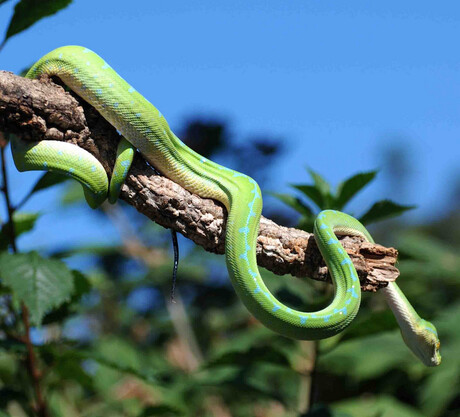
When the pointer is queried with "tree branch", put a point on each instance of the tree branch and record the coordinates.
(41, 109)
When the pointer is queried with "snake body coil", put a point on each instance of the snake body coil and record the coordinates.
(146, 130)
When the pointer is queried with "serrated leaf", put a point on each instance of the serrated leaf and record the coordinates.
(295, 203)
(23, 222)
(42, 284)
(312, 193)
(351, 186)
(48, 179)
(82, 287)
(28, 12)
(382, 210)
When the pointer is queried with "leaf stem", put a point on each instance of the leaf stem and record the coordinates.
(41, 408)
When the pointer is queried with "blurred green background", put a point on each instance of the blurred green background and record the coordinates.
(109, 342)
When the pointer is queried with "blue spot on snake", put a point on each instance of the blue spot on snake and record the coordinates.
(138, 115)
(327, 317)
(257, 290)
(115, 105)
(99, 91)
(45, 164)
(111, 85)
(354, 294)
(105, 66)
(71, 170)
(244, 229)
(93, 168)
(85, 51)
(75, 70)
(60, 56)
(345, 261)
(244, 256)
(431, 330)
(341, 310)
(131, 90)
(303, 319)
(276, 308)
(332, 241)
(323, 226)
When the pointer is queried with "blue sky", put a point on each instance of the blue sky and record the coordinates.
(339, 81)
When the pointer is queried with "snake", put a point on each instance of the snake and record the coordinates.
(143, 128)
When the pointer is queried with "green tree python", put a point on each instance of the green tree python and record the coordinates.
(144, 128)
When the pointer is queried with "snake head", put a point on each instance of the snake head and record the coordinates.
(425, 343)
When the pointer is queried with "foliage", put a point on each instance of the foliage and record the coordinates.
(323, 198)
(28, 12)
(108, 341)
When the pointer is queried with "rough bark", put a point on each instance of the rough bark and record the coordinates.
(42, 109)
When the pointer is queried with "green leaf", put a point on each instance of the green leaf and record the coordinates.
(373, 323)
(48, 179)
(82, 286)
(23, 222)
(28, 12)
(73, 194)
(382, 210)
(164, 410)
(320, 410)
(367, 357)
(444, 386)
(42, 284)
(348, 188)
(295, 203)
(312, 193)
(249, 357)
(24, 72)
(321, 184)
(306, 223)
(382, 406)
